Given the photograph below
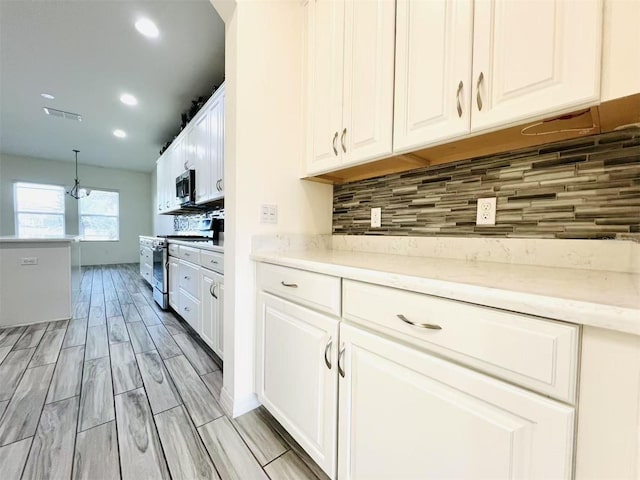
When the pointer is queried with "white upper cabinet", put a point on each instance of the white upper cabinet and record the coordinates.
(383, 81)
(201, 132)
(533, 58)
(367, 116)
(199, 147)
(210, 169)
(326, 49)
(433, 72)
(350, 79)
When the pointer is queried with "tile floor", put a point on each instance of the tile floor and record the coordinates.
(125, 390)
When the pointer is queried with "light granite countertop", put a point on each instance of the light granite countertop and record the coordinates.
(62, 239)
(609, 300)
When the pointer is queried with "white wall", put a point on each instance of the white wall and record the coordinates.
(135, 198)
(264, 149)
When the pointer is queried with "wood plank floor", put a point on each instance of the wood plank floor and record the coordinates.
(125, 390)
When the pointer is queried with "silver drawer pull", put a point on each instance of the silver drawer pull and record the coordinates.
(187, 277)
(430, 326)
(214, 262)
(327, 349)
(187, 309)
(340, 357)
(187, 254)
(291, 285)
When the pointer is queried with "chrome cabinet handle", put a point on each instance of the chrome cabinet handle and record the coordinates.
(327, 351)
(187, 309)
(340, 356)
(459, 106)
(221, 186)
(212, 291)
(342, 137)
(187, 277)
(213, 261)
(430, 326)
(335, 150)
(141, 252)
(291, 285)
(478, 95)
(187, 254)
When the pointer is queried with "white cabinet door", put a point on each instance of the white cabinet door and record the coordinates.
(433, 72)
(369, 43)
(173, 282)
(211, 309)
(325, 83)
(408, 415)
(219, 337)
(532, 58)
(295, 381)
(208, 306)
(216, 137)
(201, 130)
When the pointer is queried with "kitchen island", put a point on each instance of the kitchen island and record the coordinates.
(39, 278)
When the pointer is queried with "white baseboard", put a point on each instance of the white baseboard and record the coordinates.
(239, 406)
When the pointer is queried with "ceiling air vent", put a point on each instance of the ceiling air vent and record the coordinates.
(62, 114)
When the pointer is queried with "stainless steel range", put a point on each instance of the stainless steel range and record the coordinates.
(157, 278)
(154, 256)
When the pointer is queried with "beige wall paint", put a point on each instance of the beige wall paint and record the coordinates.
(264, 153)
(135, 198)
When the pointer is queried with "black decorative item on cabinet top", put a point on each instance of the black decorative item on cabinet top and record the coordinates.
(187, 116)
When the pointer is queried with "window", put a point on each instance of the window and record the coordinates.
(99, 216)
(39, 209)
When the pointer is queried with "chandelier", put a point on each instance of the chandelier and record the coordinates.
(77, 192)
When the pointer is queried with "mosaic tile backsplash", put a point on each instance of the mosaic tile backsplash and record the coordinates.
(581, 188)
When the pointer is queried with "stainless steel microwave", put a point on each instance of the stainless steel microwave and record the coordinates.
(186, 187)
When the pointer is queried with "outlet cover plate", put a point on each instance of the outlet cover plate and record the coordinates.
(376, 217)
(486, 211)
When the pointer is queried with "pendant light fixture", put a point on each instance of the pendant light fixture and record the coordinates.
(77, 192)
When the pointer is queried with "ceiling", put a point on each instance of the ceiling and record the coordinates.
(87, 53)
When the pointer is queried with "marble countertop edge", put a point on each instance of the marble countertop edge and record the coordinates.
(570, 295)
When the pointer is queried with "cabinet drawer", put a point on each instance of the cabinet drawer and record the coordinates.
(189, 308)
(212, 260)
(174, 250)
(188, 277)
(320, 292)
(539, 354)
(189, 254)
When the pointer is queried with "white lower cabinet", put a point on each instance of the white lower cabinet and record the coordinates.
(189, 308)
(212, 309)
(173, 282)
(405, 414)
(297, 378)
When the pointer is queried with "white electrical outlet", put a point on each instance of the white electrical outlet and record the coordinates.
(486, 212)
(376, 217)
(269, 214)
(29, 261)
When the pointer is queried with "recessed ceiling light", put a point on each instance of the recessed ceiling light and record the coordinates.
(128, 99)
(119, 133)
(48, 96)
(147, 28)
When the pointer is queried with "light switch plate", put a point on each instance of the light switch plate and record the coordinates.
(269, 214)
